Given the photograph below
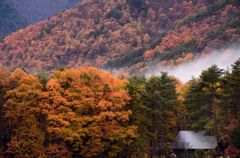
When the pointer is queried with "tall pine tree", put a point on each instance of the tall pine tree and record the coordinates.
(161, 100)
(202, 101)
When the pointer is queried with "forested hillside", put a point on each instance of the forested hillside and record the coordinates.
(36, 10)
(55, 104)
(16, 14)
(85, 112)
(118, 33)
(10, 19)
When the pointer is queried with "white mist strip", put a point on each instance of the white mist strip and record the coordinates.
(223, 58)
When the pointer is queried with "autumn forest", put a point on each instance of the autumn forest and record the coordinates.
(77, 78)
(86, 112)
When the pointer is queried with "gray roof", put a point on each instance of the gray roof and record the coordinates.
(194, 140)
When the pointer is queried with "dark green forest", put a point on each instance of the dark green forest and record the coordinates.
(10, 19)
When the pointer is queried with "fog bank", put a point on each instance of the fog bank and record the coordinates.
(223, 58)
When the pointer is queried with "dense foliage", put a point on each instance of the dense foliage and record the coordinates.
(210, 103)
(123, 33)
(15, 14)
(155, 105)
(78, 112)
(86, 112)
(10, 19)
(36, 10)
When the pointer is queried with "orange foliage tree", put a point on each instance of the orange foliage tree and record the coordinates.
(86, 112)
(26, 138)
(76, 112)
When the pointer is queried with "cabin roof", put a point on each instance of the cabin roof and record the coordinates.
(194, 140)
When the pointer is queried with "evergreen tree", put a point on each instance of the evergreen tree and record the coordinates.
(197, 111)
(154, 104)
(136, 89)
(161, 100)
(202, 101)
(211, 82)
(230, 107)
(234, 85)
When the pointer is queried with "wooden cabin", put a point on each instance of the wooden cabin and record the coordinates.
(188, 143)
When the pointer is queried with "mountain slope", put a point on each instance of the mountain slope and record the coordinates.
(215, 25)
(118, 33)
(10, 20)
(35, 10)
(15, 14)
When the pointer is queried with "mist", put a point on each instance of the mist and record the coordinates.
(223, 58)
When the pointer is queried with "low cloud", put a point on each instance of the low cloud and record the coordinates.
(223, 58)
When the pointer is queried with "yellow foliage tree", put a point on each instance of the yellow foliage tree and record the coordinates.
(86, 112)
